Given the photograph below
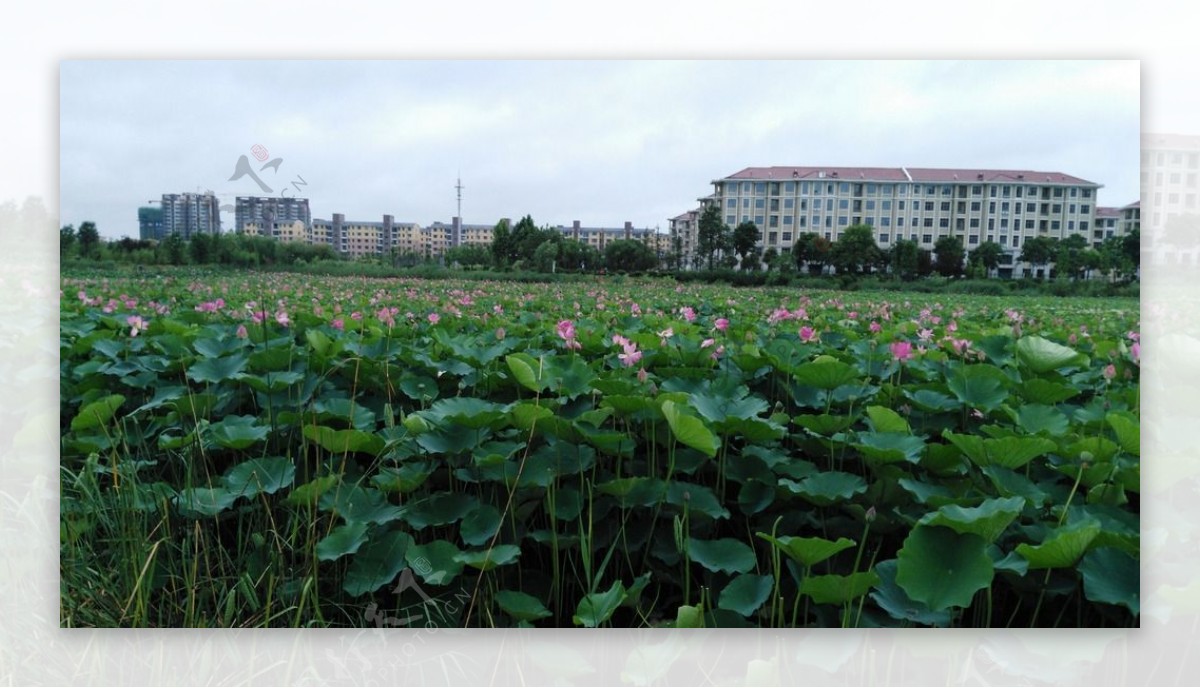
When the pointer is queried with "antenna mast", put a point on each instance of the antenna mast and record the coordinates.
(459, 188)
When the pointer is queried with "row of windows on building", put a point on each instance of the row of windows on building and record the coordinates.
(886, 205)
(1003, 225)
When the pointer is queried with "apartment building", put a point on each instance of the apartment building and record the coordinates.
(267, 210)
(150, 224)
(1169, 181)
(1108, 220)
(358, 238)
(186, 214)
(681, 233)
(1131, 218)
(921, 204)
(280, 231)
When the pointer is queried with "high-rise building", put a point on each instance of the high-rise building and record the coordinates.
(268, 211)
(186, 214)
(921, 204)
(150, 223)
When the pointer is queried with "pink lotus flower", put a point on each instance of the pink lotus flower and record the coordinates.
(720, 351)
(630, 358)
(777, 315)
(808, 334)
(925, 335)
(707, 343)
(1135, 352)
(136, 324)
(500, 333)
(566, 329)
(281, 317)
(434, 318)
(722, 324)
(241, 332)
(641, 375)
(901, 351)
(1110, 371)
(665, 335)
(688, 313)
(338, 324)
(875, 327)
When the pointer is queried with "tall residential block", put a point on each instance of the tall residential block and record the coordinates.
(186, 214)
(266, 212)
(150, 224)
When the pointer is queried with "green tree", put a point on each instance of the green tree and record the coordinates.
(469, 255)
(905, 259)
(630, 256)
(811, 251)
(745, 241)
(712, 235)
(66, 240)
(574, 255)
(89, 239)
(820, 255)
(855, 250)
(173, 248)
(770, 256)
(526, 237)
(925, 263)
(1069, 258)
(1093, 261)
(988, 256)
(1039, 251)
(1131, 249)
(948, 256)
(503, 249)
(198, 247)
(545, 257)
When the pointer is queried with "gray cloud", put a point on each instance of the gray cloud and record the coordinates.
(597, 141)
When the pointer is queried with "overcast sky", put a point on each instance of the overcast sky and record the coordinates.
(601, 142)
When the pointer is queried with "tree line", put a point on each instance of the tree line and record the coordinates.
(240, 250)
(521, 247)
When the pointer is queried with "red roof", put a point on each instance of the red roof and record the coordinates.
(898, 174)
(1136, 204)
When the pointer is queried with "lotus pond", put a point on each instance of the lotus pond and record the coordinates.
(243, 449)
